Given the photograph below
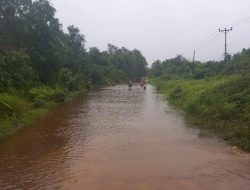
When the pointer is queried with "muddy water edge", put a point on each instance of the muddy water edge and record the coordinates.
(118, 139)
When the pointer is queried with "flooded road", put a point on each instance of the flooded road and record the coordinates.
(115, 139)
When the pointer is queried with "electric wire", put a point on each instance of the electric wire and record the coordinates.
(214, 35)
(240, 22)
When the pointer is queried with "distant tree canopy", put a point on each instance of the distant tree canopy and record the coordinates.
(181, 68)
(33, 42)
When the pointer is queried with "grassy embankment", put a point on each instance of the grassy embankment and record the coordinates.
(219, 104)
(18, 109)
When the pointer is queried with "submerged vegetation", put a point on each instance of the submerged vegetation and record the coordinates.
(41, 65)
(214, 95)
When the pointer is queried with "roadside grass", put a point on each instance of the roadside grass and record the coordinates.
(220, 104)
(19, 109)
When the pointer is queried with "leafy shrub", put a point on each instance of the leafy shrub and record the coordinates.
(68, 81)
(44, 93)
(220, 103)
(16, 71)
(11, 105)
(176, 93)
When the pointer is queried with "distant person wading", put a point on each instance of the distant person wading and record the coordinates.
(143, 84)
(130, 85)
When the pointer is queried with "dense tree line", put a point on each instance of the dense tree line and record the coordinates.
(180, 68)
(34, 50)
(42, 65)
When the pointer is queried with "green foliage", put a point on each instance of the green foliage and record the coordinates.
(11, 105)
(45, 93)
(215, 95)
(76, 40)
(47, 51)
(44, 64)
(68, 81)
(181, 68)
(42, 94)
(132, 63)
(15, 71)
(219, 103)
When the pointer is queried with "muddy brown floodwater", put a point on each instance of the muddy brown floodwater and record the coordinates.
(115, 139)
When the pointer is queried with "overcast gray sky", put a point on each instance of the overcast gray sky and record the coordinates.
(160, 29)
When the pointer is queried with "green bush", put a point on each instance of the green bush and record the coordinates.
(220, 103)
(15, 71)
(11, 105)
(42, 94)
(176, 93)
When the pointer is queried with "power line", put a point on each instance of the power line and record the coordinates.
(205, 43)
(220, 58)
(215, 35)
(240, 22)
(208, 38)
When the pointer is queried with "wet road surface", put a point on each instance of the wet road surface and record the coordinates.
(115, 139)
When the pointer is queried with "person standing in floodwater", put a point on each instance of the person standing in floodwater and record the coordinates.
(130, 85)
(143, 84)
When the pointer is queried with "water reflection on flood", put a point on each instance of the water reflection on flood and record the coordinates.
(118, 139)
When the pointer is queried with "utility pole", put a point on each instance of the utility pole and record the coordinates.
(194, 56)
(225, 31)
